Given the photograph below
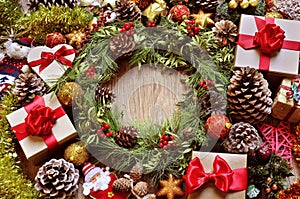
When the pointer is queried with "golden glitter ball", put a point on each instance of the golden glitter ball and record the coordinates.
(69, 92)
(274, 15)
(76, 153)
(244, 4)
(253, 3)
(233, 4)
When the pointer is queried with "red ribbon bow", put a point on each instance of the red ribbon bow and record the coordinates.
(269, 38)
(48, 57)
(39, 122)
(223, 176)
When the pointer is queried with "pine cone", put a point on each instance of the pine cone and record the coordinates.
(213, 103)
(121, 185)
(57, 179)
(141, 189)
(248, 96)
(290, 9)
(122, 45)
(225, 31)
(127, 11)
(34, 4)
(126, 136)
(207, 5)
(104, 96)
(242, 138)
(136, 172)
(28, 86)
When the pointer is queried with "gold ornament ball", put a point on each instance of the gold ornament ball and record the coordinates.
(253, 3)
(244, 4)
(76, 153)
(69, 92)
(274, 15)
(233, 4)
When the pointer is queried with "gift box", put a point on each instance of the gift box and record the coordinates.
(217, 176)
(286, 105)
(51, 63)
(268, 44)
(41, 127)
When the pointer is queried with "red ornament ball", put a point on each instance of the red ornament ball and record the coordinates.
(179, 12)
(217, 126)
(55, 38)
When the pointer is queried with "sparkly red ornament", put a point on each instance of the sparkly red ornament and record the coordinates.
(55, 38)
(217, 126)
(179, 12)
(264, 152)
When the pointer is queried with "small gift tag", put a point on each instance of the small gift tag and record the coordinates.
(51, 63)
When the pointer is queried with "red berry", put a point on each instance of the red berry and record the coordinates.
(187, 22)
(269, 179)
(200, 84)
(153, 25)
(192, 34)
(99, 131)
(131, 24)
(107, 126)
(165, 147)
(189, 28)
(172, 137)
(166, 137)
(205, 87)
(274, 187)
(165, 142)
(161, 140)
(268, 190)
(204, 81)
(102, 128)
(149, 25)
(196, 29)
(101, 135)
(161, 145)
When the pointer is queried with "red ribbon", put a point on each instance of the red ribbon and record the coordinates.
(39, 122)
(269, 38)
(223, 176)
(48, 57)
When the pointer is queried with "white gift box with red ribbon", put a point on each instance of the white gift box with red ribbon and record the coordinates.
(41, 127)
(262, 46)
(51, 63)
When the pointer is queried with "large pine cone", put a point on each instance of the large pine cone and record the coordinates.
(57, 179)
(225, 31)
(34, 4)
(248, 95)
(242, 138)
(127, 11)
(121, 185)
(126, 136)
(28, 86)
(122, 46)
(136, 173)
(213, 103)
(290, 9)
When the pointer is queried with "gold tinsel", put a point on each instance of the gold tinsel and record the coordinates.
(76, 153)
(296, 145)
(292, 192)
(53, 19)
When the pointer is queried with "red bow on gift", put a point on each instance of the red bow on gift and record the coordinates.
(269, 38)
(48, 57)
(223, 176)
(39, 122)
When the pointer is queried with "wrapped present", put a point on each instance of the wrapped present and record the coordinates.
(41, 127)
(217, 176)
(269, 44)
(286, 105)
(51, 63)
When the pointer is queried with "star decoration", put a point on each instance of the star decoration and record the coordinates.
(203, 19)
(170, 188)
(76, 37)
(280, 139)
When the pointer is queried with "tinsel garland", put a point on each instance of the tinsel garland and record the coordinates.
(53, 19)
(13, 182)
(10, 12)
(290, 193)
